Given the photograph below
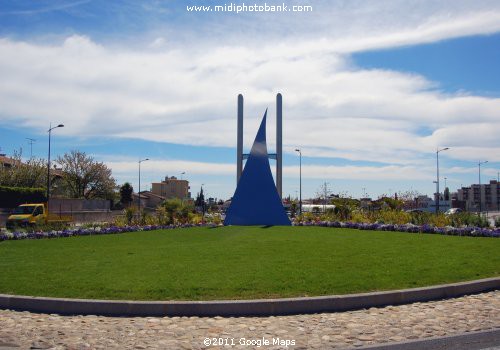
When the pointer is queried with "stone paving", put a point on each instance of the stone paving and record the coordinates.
(24, 330)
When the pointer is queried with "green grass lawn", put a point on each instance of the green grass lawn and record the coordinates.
(240, 263)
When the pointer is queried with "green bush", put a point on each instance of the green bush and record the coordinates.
(439, 220)
(390, 216)
(398, 217)
(129, 214)
(468, 219)
(11, 197)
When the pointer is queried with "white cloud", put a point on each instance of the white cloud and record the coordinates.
(160, 168)
(348, 26)
(164, 167)
(173, 97)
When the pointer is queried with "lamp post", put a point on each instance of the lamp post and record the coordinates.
(202, 205)
(139, 192)
(48, 164)
(437, 177)
(479, 166)
(182, 174)
(300, 179)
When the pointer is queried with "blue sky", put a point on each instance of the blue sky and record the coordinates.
(370, 89)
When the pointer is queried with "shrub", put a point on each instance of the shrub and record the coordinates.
(306, 217)
(395, 217)
(468, 219)
(11, 197)
(439, 220)
(361, 216)
(129, 214)
(120, 221)
(162, 216)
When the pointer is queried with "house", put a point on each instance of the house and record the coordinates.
(148, 199)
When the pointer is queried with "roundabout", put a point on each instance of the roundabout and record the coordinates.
(234, 263)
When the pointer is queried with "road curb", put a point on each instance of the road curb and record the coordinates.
(258, 307)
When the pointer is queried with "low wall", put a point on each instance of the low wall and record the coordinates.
(3, 218)
(80, 217)
(95, 216)
(78, 205)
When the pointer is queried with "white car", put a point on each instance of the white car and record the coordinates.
(452, 211)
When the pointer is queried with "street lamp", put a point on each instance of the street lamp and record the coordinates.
(437, 177)
(48, 164)
(182, 174)
(300, 179)
(139, 192)
(479, 166)
(202, 204)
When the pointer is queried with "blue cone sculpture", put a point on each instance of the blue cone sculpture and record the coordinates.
(256, 200)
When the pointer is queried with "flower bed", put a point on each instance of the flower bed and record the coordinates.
(410, 228)
(17, 235)
(448, 230)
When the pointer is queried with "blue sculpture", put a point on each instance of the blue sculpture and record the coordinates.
(256, 200)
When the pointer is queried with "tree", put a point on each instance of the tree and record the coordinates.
(446, 194)
(293, 208)
(323, 193)
(126, 191)
(200, 199)
(177, 210)
(32, 173)
(345, 206)
(83, 177)
(409, 198)
(391, 203)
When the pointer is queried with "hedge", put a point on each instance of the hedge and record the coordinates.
(11, 197)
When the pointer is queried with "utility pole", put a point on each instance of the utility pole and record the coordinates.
(300, 179)
(437, 177)
(139, 192)
(48, 164)
(31, 141)
(325, 195)
(479, 166)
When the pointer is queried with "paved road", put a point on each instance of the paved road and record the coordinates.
(482, 340)
(23, 330)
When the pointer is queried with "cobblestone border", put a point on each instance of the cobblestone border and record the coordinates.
(258, 307)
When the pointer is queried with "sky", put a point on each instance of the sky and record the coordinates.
(371, 89)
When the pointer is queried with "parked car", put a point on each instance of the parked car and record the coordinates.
(452, 211)
(416, 211)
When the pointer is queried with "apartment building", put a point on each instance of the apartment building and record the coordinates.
(484, 197)
(171, 187)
